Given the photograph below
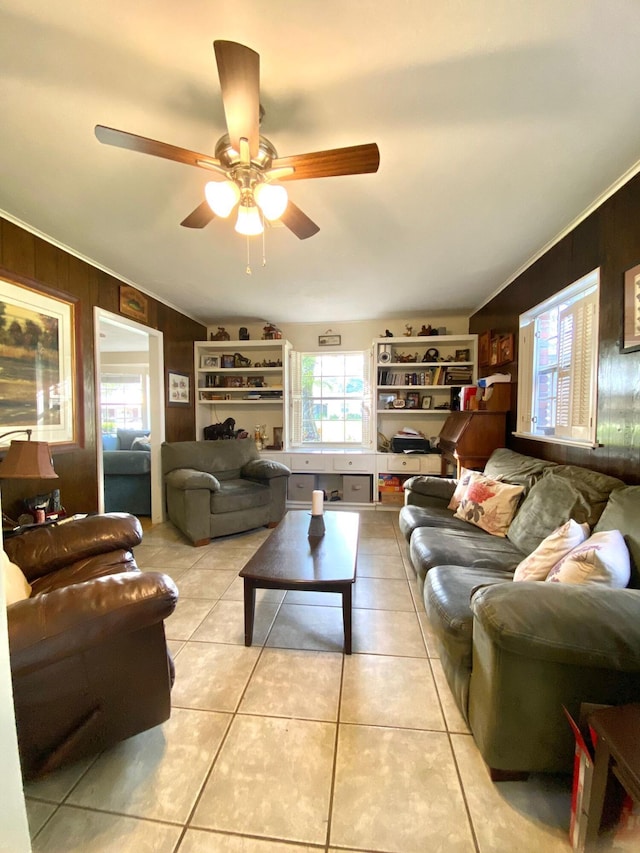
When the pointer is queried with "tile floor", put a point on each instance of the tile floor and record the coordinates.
(291, 746)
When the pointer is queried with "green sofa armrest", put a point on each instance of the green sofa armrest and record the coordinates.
(424, 490)
(189, 478)
(263, 469)
(577, 625)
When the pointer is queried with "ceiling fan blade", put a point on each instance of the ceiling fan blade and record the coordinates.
(298, 222)
(122, 139)
(199, 217)
(355, 160)
(239, 72)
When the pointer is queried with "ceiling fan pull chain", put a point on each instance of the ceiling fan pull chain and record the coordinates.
(264, 242)
(248, 269)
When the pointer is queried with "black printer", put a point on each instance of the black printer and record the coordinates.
(405, 444)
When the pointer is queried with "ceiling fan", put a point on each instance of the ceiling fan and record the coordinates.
(246, 163)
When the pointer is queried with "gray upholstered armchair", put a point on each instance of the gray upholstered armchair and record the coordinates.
(214, 488)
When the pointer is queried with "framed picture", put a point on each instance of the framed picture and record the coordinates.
(40, 367)
(385, 401)
(505, 348)
(178, 390)
(134, 304)
(631, 314)
(427, 401)
(329, 340)
(210, 361)
(412, 400)
(228, 360)
(463, 355)
(484, 348)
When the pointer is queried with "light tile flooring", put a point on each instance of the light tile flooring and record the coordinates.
(291, 746)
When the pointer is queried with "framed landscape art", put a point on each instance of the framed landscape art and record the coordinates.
(40, 386)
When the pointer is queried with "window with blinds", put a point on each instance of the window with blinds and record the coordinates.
(558, 364)
(331, 399)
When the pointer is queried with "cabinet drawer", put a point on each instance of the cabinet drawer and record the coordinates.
(300, 487)
(410, 464)
(283, 458)
(431, 463)
(356, 489)
(308, 462)
(357, 462)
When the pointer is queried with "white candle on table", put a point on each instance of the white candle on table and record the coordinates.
(317, 499)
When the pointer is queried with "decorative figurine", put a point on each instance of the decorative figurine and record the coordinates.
(409, 332)
(221, 335)
(271, 333)
(425, 331)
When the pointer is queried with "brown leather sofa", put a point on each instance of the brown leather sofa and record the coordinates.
(89, 660)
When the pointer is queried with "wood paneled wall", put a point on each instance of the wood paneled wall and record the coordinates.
(610, 239)
(27, 255)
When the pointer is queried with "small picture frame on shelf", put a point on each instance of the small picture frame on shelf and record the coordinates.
(412, 400)
(463, 355)
(426, 402)
(210, 361)
(385, 401)
(227, 361)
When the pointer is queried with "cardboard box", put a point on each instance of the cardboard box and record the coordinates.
(619, 810)
(389, 483)
(582, 779)
(392, 498)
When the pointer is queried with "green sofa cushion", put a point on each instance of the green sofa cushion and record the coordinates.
(515, 468)
(563, 492)
(623, 513)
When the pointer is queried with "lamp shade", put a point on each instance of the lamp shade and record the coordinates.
(272, 200)
(222, 196)
(249, 221)
(28, 460)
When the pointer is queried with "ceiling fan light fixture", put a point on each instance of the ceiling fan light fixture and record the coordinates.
(222, 197)
(249, 221)
(272, 200)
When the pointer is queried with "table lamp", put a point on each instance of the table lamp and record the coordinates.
(26, 460)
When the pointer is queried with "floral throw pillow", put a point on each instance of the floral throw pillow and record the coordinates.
(602, 559)
(461, 488)
(557, 545)
(489, 504)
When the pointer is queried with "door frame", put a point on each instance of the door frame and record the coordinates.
(156, 406)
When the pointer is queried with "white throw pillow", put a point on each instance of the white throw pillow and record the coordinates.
(551, 550)
(16, 586)
(489, 504)
(602, 559)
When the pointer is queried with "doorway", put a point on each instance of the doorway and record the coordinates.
(131, 354)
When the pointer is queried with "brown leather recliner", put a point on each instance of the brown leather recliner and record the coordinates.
(89, 660)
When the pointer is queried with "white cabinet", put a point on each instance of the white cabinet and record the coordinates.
(243, 380)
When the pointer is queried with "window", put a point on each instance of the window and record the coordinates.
(123, 401)
(557, 365)
(331, 399)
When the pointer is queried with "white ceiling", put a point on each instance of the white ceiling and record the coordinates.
(498, 122)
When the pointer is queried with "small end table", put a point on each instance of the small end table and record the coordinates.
(618, 753)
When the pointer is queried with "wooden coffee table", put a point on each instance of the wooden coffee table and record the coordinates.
(288, 559)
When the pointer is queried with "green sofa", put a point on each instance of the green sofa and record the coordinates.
(515, 653)
(215, 488)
